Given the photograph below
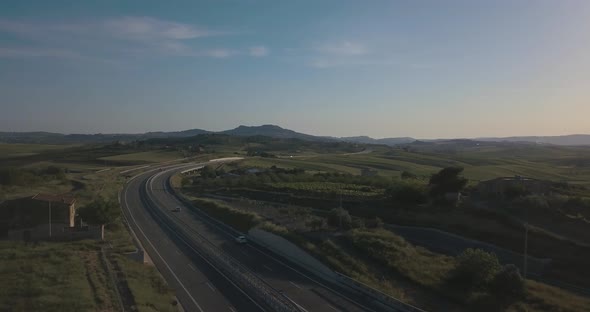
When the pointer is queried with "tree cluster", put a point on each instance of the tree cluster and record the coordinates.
(478, 270)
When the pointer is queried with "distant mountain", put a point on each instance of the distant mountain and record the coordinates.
(58, 138)
(174, 134)
(574, 139)
(386, 141)
(273, 132)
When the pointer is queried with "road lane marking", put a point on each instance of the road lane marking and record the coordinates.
(232, 309)
(160, 256)
(267, 267)
(212, 288)
(258, 250)
(308, 277)
(295, 285)
(295, 303)
(333, 308)
(192, 268)
(177, 252)
(149, 180)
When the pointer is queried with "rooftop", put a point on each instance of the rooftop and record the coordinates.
(55, 198)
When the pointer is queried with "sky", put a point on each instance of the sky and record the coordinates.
(425, 69)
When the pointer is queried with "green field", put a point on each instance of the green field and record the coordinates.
(23, 150)
(69, 276)
(53, 277)
(329, 188)
(558, 164)
(149, 156)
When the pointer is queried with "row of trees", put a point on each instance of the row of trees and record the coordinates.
(447, 181)
(239, 177)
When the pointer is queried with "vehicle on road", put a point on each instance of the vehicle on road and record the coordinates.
(177, 209)
(241, 239)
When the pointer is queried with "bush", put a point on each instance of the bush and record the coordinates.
(240, 220)
(100, 211)
(475, 269)
(340, 218)
(533, 202)
(508, 284)
(408, 175)
(408, 193)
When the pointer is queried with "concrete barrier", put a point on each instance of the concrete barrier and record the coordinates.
(288, 250)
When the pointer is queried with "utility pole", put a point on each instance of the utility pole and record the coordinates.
(50, 218)
(526, 240)
(340, 212)
(526, 232)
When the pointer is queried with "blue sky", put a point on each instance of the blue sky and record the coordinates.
(426, 69)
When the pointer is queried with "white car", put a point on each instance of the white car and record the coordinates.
(241, 239)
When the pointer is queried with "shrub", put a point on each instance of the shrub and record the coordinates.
(409, 193)
(240, 220)
(339, 217)
(533, 202)
(475, 269)
(408, 175)
(508, 284)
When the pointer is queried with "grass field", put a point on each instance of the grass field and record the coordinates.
(559, 164)
(53, 277)
(22, 150)
(149, 156)
(69, 276)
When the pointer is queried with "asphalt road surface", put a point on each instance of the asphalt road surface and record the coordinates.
(198, 285)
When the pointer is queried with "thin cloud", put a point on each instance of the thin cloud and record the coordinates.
(148, 28)
(36, 52)
(219, 53)
(113, 38)
(258, 51)
(344, 48)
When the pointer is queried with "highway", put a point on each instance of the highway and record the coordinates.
(198, 287)
(148, 203)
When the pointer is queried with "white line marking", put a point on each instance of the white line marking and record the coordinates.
(232, 309)
(192, 268)
(333, 308)
(295, 285)
(193, 249)
(212, 288)
(273, 257)
(309, 278)
(177, 252)
(267, 267)
(295, 303)
(160, 256)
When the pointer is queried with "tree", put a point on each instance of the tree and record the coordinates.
(100, 212)
(448, 180)
(340, 217)
(475, 269)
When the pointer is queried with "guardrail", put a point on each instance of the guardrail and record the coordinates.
(378, 295)
(345, 280)
(232, 269)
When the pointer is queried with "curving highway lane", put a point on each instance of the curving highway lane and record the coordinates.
(198, 285)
